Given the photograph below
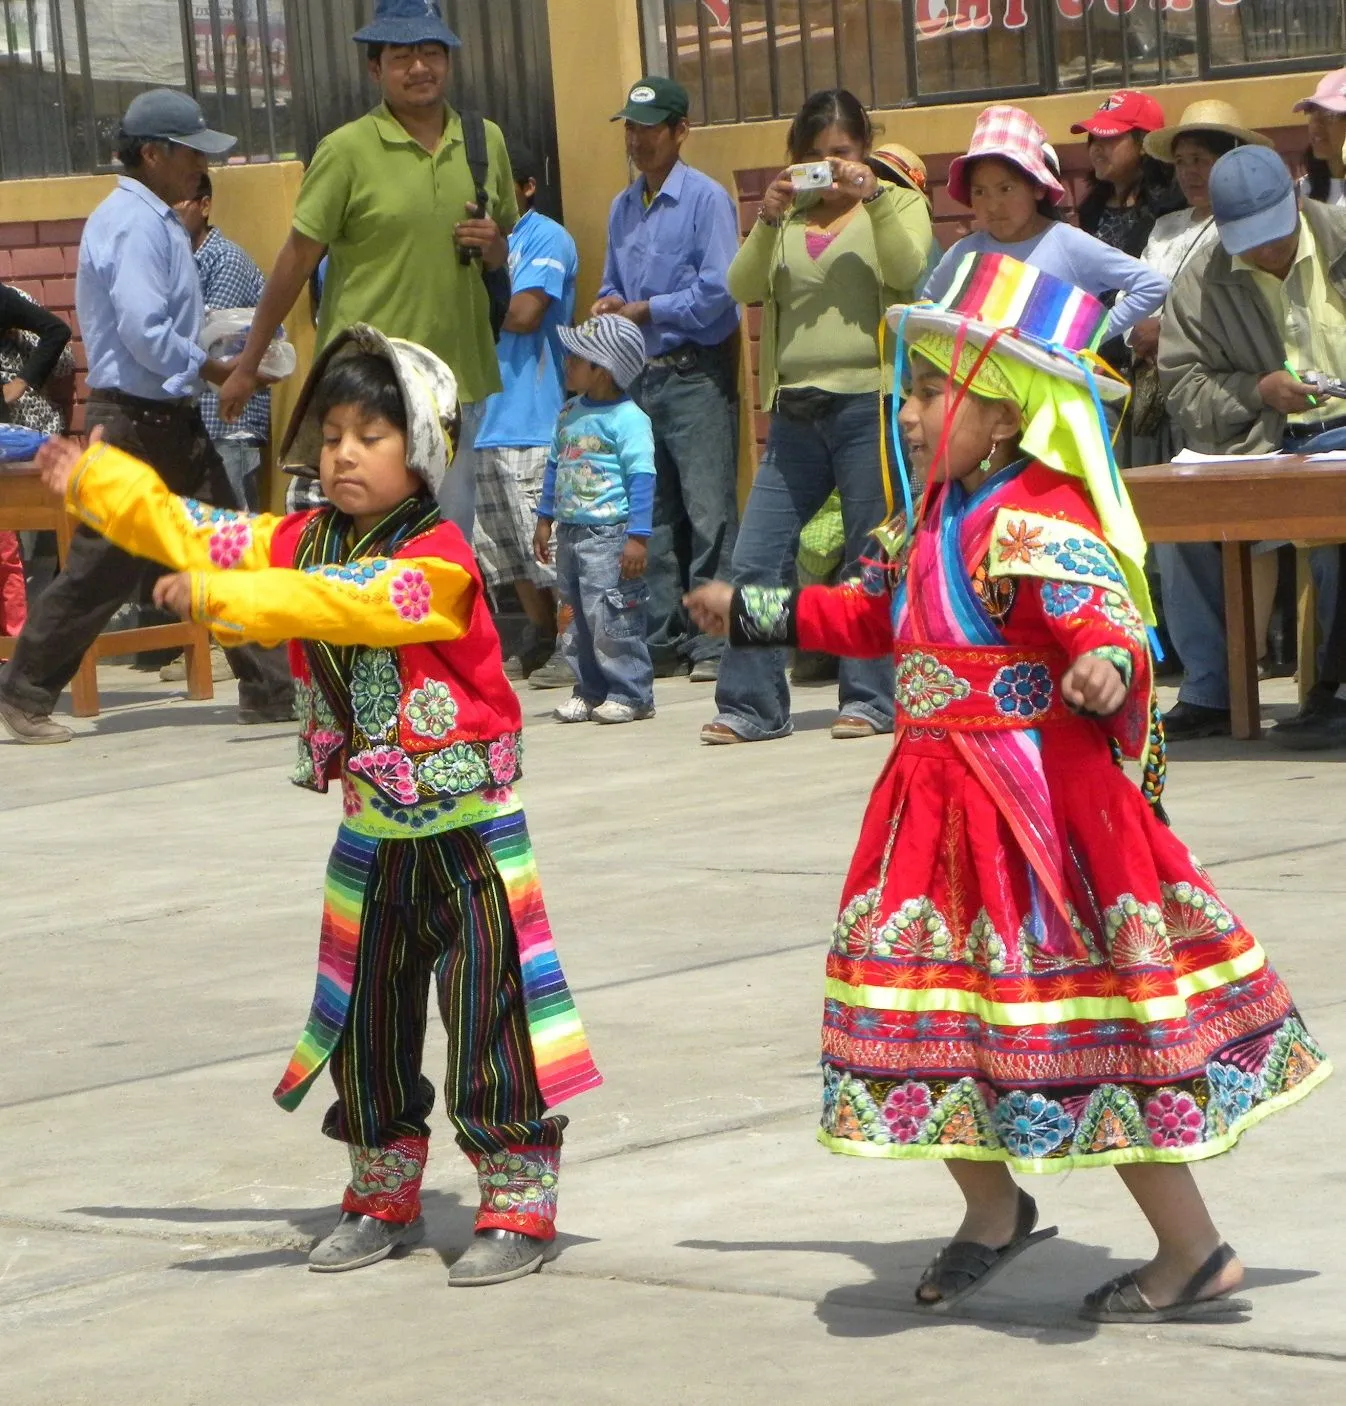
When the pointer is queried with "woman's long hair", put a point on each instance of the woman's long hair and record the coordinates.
(1158, 195)
(834, 107)
(1319, 176)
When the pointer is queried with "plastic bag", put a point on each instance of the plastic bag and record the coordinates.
(18, 443)
(226, 331)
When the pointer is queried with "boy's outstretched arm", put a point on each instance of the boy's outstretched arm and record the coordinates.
(375, 601)
(128, 503)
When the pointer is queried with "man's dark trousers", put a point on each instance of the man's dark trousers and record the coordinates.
(692, 403)
(98, 578)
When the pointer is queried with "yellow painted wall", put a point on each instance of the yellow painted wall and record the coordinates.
(253, 205)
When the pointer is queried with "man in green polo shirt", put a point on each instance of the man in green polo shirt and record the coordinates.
(388, 197)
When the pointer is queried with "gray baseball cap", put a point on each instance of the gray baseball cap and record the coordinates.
(167, 116)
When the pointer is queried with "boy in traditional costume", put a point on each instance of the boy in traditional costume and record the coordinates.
(404, 701)
(1030, 972)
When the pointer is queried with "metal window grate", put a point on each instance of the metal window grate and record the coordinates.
(745, 60)
(68, 68)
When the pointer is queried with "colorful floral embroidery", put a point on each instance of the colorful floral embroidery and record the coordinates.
(503, 759)
(1120, 610)
(767, 609)
(1062, 598)
(924, 686)
(985, 946)
(1031, 1125)
(1233, 1092)
(386, 1181)
(229, 542)
(905, 1110)
(353, 573)
(1192, 915)
(1023, 690)
(1174, 1120)
(1117, 657)
(376, 691)
(388, 768)
(918, 931)
(1084, 556)
(1136, 935)
(455, 771)
(410, 594)
(996, 593)
(518, 1189)
(432, 709)
(1020, 543)
(204, 516)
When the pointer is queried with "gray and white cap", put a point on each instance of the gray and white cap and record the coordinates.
(615, 343)
(168, 116)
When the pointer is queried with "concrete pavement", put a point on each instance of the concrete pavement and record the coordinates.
(161, 894)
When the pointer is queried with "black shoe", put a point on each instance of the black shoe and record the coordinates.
(271, 713)
(671, 668)
(1319, 724)
(811, 667)
(1185, 722)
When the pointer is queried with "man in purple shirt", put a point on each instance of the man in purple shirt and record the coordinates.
(671, 237)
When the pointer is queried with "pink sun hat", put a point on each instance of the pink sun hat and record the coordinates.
(1009, 134)
(1330, 94)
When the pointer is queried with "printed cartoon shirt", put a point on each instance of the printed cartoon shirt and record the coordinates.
(601, 470)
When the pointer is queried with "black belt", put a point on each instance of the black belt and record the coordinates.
(1301, 431)
(140, 404)
(686, 356)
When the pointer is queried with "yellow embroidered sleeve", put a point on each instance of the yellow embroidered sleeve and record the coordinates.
(129, 504)
(371, 601)
(1052, 549)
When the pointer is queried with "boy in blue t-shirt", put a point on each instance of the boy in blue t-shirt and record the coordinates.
(599, 490)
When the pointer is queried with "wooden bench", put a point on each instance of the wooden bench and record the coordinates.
(1237, 503)
(26, 505)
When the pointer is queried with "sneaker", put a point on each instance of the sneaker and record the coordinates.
(705, 671)
(175, 671)
(615, 712)
(846, 727)
(573, 710)
(36, 729)
(555, 673)
(496, 1257)
(1185, 722)
(360, 1240)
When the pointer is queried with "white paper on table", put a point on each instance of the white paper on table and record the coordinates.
(1331, 455)
(1191, 456)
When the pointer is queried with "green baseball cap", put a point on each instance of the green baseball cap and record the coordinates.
(654, 100)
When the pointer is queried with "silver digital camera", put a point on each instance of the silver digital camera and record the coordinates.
(811, 175)
(1323, 384)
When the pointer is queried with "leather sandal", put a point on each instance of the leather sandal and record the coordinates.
(963, 1267)
(1122, 1300)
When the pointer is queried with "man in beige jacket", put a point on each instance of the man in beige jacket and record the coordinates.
(1245, 320)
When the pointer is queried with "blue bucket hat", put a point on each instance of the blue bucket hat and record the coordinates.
(408, 22)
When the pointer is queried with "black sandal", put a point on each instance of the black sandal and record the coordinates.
(964, 1266)
(1122, 1300)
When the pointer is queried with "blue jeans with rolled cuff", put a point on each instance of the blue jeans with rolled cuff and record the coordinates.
(605, 644)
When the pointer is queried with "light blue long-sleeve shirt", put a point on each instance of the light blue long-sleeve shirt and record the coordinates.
(675, 255)
(138, 297)
(1076, 257)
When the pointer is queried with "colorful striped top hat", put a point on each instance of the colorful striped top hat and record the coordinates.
(1041, 320)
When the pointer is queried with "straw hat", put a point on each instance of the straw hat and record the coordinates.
(903, 166)
(1208, 115)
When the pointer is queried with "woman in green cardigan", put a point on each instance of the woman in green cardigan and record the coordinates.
(826, 265)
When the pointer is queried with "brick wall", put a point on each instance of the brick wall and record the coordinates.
(41, 257)
(951, 220)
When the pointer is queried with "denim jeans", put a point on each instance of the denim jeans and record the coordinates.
(242, 459)
(458, 493)
(1192, 582)
(694, 413)
(605, 644)
(804, 461)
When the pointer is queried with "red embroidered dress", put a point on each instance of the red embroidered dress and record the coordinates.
(1028, 965)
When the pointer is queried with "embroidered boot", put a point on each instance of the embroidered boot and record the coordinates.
(517, 1218)
(381, 1208)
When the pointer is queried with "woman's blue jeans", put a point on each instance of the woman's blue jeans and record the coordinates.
(804, 461)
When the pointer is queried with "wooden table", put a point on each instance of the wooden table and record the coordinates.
(27, 506)
(1236, 503)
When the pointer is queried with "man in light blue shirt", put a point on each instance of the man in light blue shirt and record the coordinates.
(672, 235)
(519, 421)
(138, 296)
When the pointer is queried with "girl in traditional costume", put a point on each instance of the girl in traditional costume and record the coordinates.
(1029, 972)
(404, 702)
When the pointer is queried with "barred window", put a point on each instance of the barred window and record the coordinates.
(746, 60)
(68, 69)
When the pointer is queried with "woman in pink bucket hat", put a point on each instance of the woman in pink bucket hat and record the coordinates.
(1014, 191)
(1324, 164)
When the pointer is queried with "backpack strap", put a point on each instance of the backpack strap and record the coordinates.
(478, 157)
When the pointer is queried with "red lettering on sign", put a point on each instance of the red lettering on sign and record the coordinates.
(1016, 14)
(720, 10)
